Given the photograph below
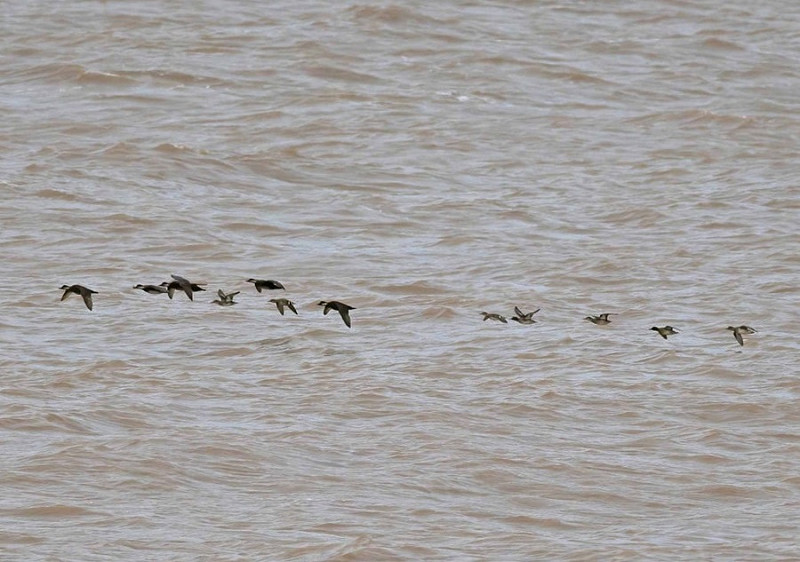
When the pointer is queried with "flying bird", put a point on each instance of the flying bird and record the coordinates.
(269, 284)
(600, 319)
(524, 317)
(225, 299)
(284, 303)
(152, 289)
(86, 294)
(494, 316)
(183, 284)
(340, 307)
(666, 331)
(739, 330)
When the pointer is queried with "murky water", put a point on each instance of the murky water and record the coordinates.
(422, 163)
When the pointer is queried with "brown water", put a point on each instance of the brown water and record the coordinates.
(422, 162)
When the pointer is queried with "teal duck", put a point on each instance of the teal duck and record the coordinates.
(340, 307)
(86, 294)
(284, 303)
(524, 317)
(225, 299)
(152, 289)
(600, 319)
(739, 330)
(269, 284)
(666, 331)
(494, 316)
(183, 284)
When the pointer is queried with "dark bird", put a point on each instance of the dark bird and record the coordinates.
(266, 284)
(152, 289)
(86, 294)
(600, 319)
(340, 307)
(524, 317)
(739, 330)
(281, 303)
(183, 284)
(493, 316)
(665, 331)
(225, 299)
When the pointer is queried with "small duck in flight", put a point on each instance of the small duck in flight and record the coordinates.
(340, 307)
(86, 294)
(269, 284)
(494, 316)
(152, 289)
(600, 319)
(524, 317)
(739, 330)
(183, 284)
(666, 331)
(225, 299)
(284, 303)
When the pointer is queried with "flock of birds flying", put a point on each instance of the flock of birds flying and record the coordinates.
(603, 319)
(179, 283)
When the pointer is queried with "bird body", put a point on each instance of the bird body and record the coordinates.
(269, 284)
(152, 289)
(183, 284)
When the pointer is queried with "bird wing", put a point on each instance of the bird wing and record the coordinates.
(345, 316)
(87, 299)
(185, 284)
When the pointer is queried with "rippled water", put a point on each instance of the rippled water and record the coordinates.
(422, 163)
